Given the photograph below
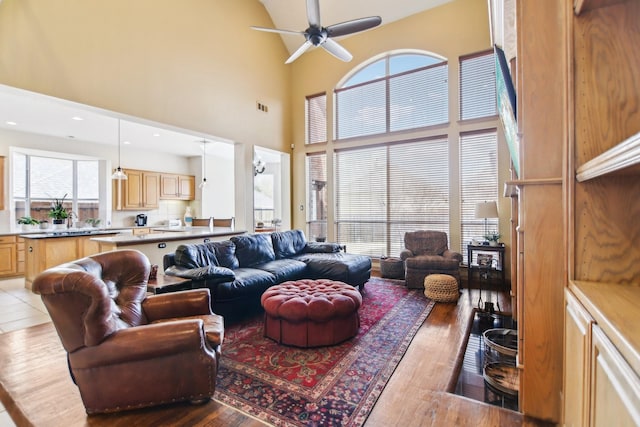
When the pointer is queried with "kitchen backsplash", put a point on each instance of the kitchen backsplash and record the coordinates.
(168, 209)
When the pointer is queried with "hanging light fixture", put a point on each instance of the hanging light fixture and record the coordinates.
(119, 173)
(203, 183)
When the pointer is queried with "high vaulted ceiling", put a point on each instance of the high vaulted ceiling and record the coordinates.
(292, 14)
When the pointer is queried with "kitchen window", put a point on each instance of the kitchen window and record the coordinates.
(40, 178)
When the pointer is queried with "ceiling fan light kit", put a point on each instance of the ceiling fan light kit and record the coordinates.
(317, 35)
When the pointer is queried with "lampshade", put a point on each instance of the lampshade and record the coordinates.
(119, 174)
(486, 210)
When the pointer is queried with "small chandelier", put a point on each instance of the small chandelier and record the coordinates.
(203, 183)
(119, 174)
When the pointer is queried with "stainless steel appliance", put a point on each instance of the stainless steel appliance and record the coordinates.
(141, 220)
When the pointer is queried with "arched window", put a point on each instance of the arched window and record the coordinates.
(397, 92)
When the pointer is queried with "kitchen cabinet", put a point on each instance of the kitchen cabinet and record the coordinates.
(11, 256)
(602, 210)
(177, 187)
(1, 183)
(140, 191)
(8, 255)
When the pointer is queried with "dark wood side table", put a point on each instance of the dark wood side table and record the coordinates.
(486, 269)
(163, 284)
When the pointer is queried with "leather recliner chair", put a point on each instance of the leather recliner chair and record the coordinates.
(427, 252)
(125, 349)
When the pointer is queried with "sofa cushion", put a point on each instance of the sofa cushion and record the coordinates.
(253, 249)
(226, 254)
(248, 282)
(195, 255)
(349, 268)
(288, 243)
(284, 269)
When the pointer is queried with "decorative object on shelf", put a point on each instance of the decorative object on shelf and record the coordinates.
(203, 183)
(484, 260)
(119, 173)
(188, 217)
(58, 212)
(28, 223)
(486, 210)
(492, 238)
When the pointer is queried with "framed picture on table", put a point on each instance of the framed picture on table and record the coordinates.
(485, 260)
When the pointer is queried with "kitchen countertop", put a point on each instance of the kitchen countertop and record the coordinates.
(193, 233)
(70, 232)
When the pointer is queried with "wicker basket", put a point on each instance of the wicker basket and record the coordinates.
(392, 268)
(441, 288)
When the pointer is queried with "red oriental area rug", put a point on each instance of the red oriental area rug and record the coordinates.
(326, 386)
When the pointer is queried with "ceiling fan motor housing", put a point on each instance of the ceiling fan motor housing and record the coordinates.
(316, 36)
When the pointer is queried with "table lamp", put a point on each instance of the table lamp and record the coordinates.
(486, 210)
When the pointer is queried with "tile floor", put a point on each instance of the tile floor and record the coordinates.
(19, 308)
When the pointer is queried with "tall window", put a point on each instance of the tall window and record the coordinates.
(477, 85)
(316, 118)
(317, 195)
(38, 180)
(478, 181)
(399, 92)
(384, 191)
(385, 184)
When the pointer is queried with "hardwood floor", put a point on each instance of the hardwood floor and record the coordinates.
(416, 395)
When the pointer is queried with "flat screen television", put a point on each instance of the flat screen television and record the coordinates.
(506, 103)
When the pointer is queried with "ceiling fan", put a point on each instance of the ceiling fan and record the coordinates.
(317, 35)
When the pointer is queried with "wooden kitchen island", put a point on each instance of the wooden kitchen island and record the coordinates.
(46, 250)
(164, 240)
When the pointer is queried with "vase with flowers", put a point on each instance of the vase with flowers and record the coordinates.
(492, 238)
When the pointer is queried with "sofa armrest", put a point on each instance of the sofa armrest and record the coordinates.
(145, 342)
(406, 253)
(177, 304)
(208, 273)
(452, 255)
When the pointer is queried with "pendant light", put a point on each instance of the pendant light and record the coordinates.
(119, 173)
(203, 184)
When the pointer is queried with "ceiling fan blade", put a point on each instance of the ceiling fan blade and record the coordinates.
(336, 50)
(302, 49)
(276, 30)
(350, 27)
(313, 13)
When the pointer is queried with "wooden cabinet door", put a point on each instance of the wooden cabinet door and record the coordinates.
(187, 187)
(7, 259)
(132, 197)
(615, 391)
(577, 362)
(169, 186)
(150, 190)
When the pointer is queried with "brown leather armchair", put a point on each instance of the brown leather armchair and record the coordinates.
(125, 349)
(427, 252)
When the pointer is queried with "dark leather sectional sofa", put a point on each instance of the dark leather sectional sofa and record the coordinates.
(239, 270)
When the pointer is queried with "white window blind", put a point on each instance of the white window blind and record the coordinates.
(361, 110)
(419, 98)
(385, 190)
(316, 118)
(478, 182)
(477, 86)
(408, 100)
(317, 195)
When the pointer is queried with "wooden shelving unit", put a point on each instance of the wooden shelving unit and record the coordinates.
(624, 157)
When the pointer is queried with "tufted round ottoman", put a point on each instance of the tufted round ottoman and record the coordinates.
(441, 288)
(311, 313)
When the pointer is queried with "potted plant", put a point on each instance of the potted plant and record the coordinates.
(492, 238)
(58, 212)
(28, 223)
(92, 222)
